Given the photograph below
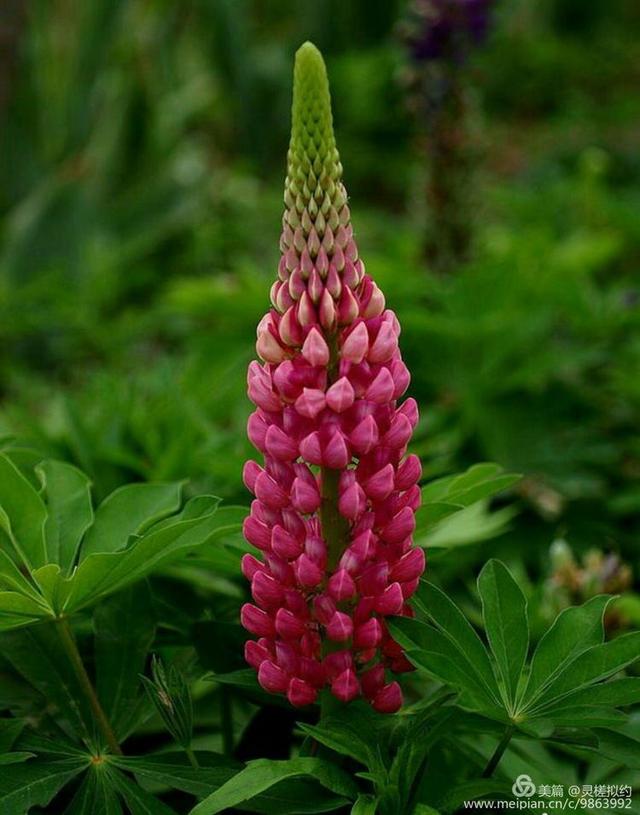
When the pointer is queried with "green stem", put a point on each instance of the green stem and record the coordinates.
(335, 528)
(226, 721)
(192, 758)
(499, 752)
(71, 649)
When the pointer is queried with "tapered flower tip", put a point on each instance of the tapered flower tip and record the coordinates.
(312, 150)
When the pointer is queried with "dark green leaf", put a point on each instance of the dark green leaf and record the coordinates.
(262, 774)
(15, 758)
(504, 609)
(174, 770)
(619, 747)
(447, 617)
(365, 805)
(429, 649)
(22, 514)
(68, 494)
(593, 665)
(37, 654)
(17, 611)
(124, 628)
(138, 801)
(471, 790)
(573, 631)
(10, 729)
(96, 795)
(130, 510)
(36, 782)
(617, 693)
(103, 573)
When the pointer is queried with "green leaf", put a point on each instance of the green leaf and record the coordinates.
(467, 526)
(429, 649)
(365, 805)
(23, 514)
(479, 482)
(619, 747)
(12, 578)
(574, 631)
(36, 782)
(10, 729)
(130, 510)
(447, 617)
(173, 769)
(96, 795)
(36, 654)
(17, 611)
(70, 514)
(470, 790)
(103, 573)
(138, 800)
(504, 609)
(15, 758)
(616, 693)
(585, 716)
(353, 732)
(124, 628)
(594, 664)
(262, 774)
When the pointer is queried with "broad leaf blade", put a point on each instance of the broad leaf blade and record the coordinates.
(70, 513)
(36, 782)
(138, 800)
(18, 611)
(504, 609)
(129, 510)
(594, 665)
(429, 649)
(124, 627)
(574, 631)
(262, 774)
(103, 573)
(447, 617)
(23, 514)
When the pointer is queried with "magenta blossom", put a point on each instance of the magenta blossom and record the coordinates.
(335, 503)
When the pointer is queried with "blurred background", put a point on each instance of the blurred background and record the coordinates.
(491, 155)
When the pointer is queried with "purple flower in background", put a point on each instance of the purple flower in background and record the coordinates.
(446, 29)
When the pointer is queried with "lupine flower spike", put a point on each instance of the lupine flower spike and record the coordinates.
(335, 501)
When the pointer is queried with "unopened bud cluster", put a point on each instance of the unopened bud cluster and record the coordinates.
(335, 502)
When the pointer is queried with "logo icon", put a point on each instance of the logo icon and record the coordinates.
(523, 787)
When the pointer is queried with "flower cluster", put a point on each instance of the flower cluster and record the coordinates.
(446, 29)
(335, 502)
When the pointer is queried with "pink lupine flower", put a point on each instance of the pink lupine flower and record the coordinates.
(336, 498)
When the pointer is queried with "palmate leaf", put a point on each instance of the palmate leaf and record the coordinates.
(431, 650)
(565, 685)
(454, 509)
(447, 618)
(135, 531)
(504, 610)
(36, 782)
(96, 795)
(124, 627)
(173, 769)
(37, 655)
(129, 510)
(22, 515)
(137, 800)
(260, 775)
(573, 631)
(69, 510)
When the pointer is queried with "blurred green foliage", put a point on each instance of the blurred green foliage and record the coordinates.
(141, 173)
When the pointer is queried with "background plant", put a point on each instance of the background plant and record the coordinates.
(141, 166)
